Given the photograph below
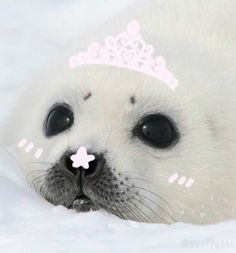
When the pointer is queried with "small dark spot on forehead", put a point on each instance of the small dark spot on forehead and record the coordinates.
(87, 96)
(132, 100)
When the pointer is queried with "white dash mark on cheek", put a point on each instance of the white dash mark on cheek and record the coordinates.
(22, 143)
(38, 153)
(182, 180)
(29, 147)
(172, 178)
(189, 182)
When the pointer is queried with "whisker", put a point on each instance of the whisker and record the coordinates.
(113, 202)
(141, 179)
(148, 207)
(130, 213)
(145, 215)
(136, 216)
(166, 213)
(159, 197)
(108, 208)
(44, 163)
(140, 196)
(170, 216)
(156, 196)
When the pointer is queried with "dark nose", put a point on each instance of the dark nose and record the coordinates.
(94, 165)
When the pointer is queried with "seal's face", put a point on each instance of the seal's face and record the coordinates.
(112, 125)
(102, 185)
(140, 132)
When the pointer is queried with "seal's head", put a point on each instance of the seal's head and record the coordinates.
(139, 131)
(155, 153)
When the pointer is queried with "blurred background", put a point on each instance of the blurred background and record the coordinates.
(32, 32)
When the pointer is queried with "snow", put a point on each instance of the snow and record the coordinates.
(30, 34)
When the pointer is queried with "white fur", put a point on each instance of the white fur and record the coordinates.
(197, 38)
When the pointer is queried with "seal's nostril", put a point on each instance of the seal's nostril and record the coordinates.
(93, 165)
(68, 164)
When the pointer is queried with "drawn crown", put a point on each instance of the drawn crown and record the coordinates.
(127, 50)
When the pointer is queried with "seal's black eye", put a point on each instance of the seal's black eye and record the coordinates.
(58, 120)
(157, 131)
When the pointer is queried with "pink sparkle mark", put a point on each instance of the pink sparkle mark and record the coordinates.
(81, 158)
(190, 182)
(22, 143)
(38, 153)
(29, 147)
(173, 178)
(182, 180)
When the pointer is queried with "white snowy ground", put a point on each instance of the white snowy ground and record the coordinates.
(30, 33)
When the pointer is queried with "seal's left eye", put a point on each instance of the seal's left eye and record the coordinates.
(157, 131)
(59, 119)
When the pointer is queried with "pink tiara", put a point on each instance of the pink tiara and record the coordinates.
(127, 50)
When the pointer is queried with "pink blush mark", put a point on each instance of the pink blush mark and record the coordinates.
(38, 153)
(22, 143)
(182, 180)
(29, 147)
(190, 182)
(173, 178)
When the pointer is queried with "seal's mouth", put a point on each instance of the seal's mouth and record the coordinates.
(82, 203)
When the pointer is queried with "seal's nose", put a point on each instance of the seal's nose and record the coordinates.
(93, 166)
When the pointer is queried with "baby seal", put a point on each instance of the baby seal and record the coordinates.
(161, 155)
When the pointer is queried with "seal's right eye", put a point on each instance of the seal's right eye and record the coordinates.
(59, 119)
